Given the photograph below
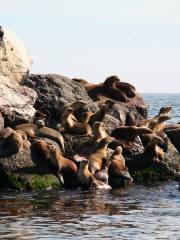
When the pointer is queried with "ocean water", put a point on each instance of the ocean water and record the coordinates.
(139, 212)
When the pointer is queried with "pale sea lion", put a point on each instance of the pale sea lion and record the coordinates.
(96, 159)
(164, 110)
(158, 124)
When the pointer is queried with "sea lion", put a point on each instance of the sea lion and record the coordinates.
(118, 172)
(86, 178)
(96, 159)
(71, 126)
(99, 131)
(42, 114)
(14, 142)
(154, 151)
(118, 167)
(165, 111)
(99, 115)
(158, 124)
(129, 133)
(39, 130)
(66, 168)
(111, 90)
(23, 134)
(127, 88)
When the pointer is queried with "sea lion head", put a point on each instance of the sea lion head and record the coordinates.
(118, 150)
(109, 82)
(40, 123)
(165, 110)
(164, 118)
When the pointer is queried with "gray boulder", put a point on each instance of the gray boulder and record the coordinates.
(54, 91)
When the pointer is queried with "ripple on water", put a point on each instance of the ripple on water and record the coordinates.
(144, 212)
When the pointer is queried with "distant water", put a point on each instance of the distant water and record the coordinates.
(140, 212)
(156, 101)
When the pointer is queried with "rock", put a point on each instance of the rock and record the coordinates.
(130, 113)
(1, 122)
(15, 62)
(110, 122)
(54, 91)
(16, 102)
(144, 168)
(18, 171)
(174, 135)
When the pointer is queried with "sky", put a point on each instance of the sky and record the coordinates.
(137, 40)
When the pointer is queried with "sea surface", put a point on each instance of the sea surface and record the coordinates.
(139, 212)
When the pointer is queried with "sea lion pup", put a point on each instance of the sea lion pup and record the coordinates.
(86, 178)
(118, 169)
(154, 151)
(65, 167)
(71, 126)
(129, 133)
(165, 111)
(111, 90)
(96, 159)
(39, 130)
(99, 131)
(99, 115)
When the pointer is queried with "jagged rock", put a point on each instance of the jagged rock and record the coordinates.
(15, 62)
(16, 102)
(130, 113)
(54, 91)
(174, 135)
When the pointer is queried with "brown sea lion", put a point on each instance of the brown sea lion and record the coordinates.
(71, 126)
(118, 167)
(129, 133)
(127, 88)
(111, 90)
(99, 115)
(165, 111)
(158, 124)
(86, 178)
(39, 130)
(96, 159)
(66, 168)
(99, 131)
(14, 142)
(154, 151)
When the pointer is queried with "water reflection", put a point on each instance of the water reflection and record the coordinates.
(147, 212)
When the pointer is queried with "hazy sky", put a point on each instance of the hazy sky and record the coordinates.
(92, 39)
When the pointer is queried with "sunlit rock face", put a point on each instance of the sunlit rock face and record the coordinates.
(16, 102)
(15, 61)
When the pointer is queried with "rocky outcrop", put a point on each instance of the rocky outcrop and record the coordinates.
(15, 62)
(16, 102)
(54, 91)
(174, 135)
